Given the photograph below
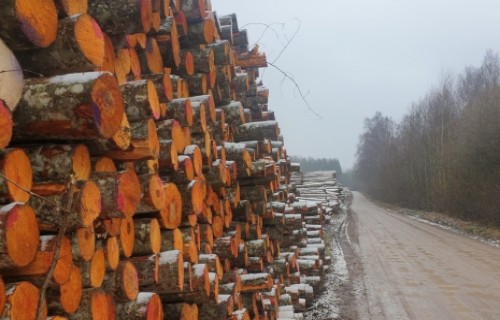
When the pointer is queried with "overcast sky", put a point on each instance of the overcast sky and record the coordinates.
(355, 57)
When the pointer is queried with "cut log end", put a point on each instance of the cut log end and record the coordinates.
(154, 103)
(90, 39)
(81, 162)
(16, 167)
(172, 212)
(154, 308)
(72, 7)
(71, 291)
(21, 234)
(90, 203)
(105, 164)
(22, 301)
(129, 192)
(84, 239)
(38, 21)
(107, 105)
(155, 236)
(5, 125)
(97, 268)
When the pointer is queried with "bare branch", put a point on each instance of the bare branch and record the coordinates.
(303, 97)
(288, 41)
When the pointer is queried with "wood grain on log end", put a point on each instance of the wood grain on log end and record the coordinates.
(22, 301)
(127, 237)
(83, 243)
(6, 125)
(19, 235)
(38, 21)
(90, 204)
(105, 164)
(15, 166)
(171, 215)
(72, 7)
(44, 258)
(129, 192)
(71, 291)
(108, 105)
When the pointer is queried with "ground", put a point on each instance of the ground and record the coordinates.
(440, 269)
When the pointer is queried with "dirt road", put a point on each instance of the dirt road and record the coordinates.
(401, 268)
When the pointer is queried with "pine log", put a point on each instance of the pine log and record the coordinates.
(198, 83)
(120, 193)
(123, 283)
(233, 113)
(141, 100)
(27, 26)
(209, 103)
(193, 9)
(190, 240)
(79, 47)
(6, 124)
(168, 158)
(86, 198)
(226, 248)
(59, 163)
(21, 301)
(19, 236)
(203, 59)
(194, 153)
(93, 270)
(183, 311)
(222, 52)
(199, 33)
(257, 131)
(171, 130)
(251, 59)
(168, 42)
(150, 57)
(180, 109)
(213, 263)
(117, 17)
(127, 237)
(256, 282)
(147, 270)
(192, 196)
(153, 193)
(75, 106)
(67, 297)
(111, 248)
(147, 237)
(94, 305)
(83, 243)
(171, 273)
(170, 216)
(172, 240)
(15, 169)
(144, 143)
(147, 306)
(163, 85)
(71, 7)
(42, 261)
(200, 292)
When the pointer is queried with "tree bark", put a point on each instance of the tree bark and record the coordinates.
(147, 306)
(86, 204)
(70, 107)
(123, 283)
(79, 47)
(147, 237)
(141, 100)
(27, 26)
(42, 261)
(117, 17)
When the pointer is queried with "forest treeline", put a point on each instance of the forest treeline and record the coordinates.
(309, 164)
(444, 155)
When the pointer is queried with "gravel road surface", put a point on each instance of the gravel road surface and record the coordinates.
(407, 269)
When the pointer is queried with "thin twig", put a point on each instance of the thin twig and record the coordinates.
(286, 75)
(57, 251)
(288, 41)
(59, 237)
(34, 194)
(268, 27)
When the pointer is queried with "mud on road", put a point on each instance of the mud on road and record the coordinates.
(389, 266)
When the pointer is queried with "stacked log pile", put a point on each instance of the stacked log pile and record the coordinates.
(142, 174)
